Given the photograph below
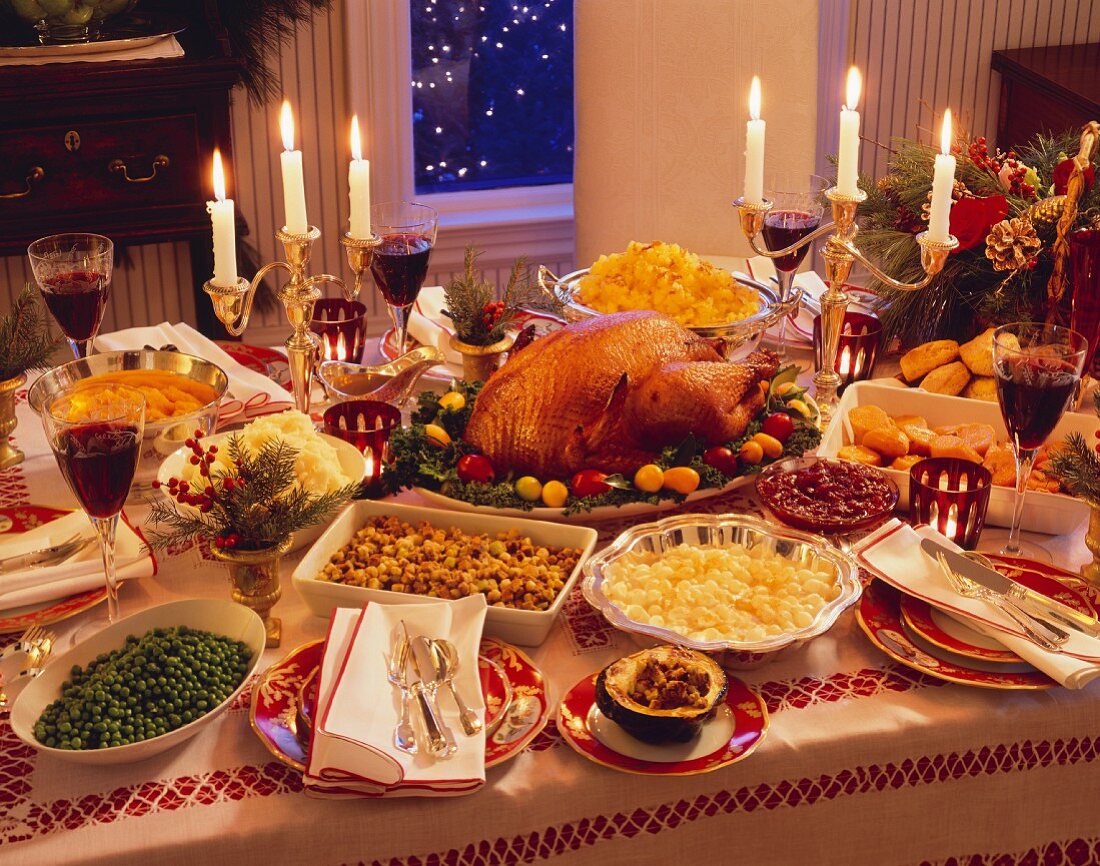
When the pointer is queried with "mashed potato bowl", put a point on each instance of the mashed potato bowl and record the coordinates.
(761, 589)
(324, 462)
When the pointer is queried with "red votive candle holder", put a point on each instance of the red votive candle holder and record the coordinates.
(342, 327)
(857, 350)
(952, 496)
(367, 425)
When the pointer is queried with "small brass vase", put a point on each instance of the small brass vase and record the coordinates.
(480, 362)
(9, 454)
(1091, 572)
(254, 582)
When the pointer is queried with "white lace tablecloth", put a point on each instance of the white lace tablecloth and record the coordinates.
(865, 762)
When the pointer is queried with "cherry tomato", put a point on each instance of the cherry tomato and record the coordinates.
(751, 452)
(778, 425)
(476, 467)
(589, 482)
(722, 459)
(529, 488)
(649, 478)
(681, 479)
(554, 494)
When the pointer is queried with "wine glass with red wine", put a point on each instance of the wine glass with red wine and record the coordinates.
(796, 212)
(73, 272)
(399, 263)
(1037, 368)
(95, 433)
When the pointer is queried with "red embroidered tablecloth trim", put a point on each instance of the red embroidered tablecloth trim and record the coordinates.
(1072, 852)
(17, 762)
(910, 773)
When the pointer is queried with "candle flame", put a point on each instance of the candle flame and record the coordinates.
(945, 134)
(356, 143)
(286, 125)
(219, 176)
(754, 98)
(855, 82)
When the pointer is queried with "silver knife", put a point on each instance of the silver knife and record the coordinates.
(433, 725)
(1032, 601)
(45, 556)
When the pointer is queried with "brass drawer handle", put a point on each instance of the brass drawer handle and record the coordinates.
(33, 176)
(118, 166)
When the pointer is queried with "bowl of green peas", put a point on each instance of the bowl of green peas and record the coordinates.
(142, 685)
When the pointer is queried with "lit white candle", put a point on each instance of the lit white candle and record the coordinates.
(847, 170)
(754, 148)
(845, 365)
(225, 236)
(943, 181)
(951, 525)
(359, 185)
(294, 189)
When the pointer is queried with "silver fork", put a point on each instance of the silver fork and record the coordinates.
(404, 735)
(26, 641)
(37, 656)
(1043, 634)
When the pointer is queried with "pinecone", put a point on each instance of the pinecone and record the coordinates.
(1012, 244)
(1047, 211)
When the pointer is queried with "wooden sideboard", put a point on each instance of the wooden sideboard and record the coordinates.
(1048, 89)
(120, 148)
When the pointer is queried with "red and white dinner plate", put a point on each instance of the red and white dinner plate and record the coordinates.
(283, 702)
(731, 736)
(24, 518)
(940, 630)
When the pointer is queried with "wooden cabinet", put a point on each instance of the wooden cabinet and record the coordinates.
(1047, 90)
(119, 148)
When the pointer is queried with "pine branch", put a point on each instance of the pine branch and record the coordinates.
(26, 342)
(1077, 467)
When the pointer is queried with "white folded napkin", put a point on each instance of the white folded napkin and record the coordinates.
(77, 574)
(250, 393)
(352, 748)
(429, 327)
(893, 554)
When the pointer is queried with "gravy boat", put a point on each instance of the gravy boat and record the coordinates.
(392, 382)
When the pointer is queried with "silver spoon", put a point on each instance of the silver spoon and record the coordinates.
(445, 661)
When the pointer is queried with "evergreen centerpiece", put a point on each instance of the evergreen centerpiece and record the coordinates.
(26, 343)
(255, 505)
(483, 322)
(1011, 215)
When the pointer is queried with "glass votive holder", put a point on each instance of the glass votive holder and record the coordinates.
(367, 425)
(342, 327)
(952, 496)
(857, 350)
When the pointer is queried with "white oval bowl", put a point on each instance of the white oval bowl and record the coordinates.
(351, 460)
(219, 616)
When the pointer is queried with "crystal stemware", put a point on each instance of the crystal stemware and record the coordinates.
(95, 433)
(796, 212)
(399, 263)
(1037, 367)
(73, 272)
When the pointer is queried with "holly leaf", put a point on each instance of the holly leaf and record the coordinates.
(687, 451)
(618, 481)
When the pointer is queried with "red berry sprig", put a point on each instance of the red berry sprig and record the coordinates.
(206, 497)
(491, 313)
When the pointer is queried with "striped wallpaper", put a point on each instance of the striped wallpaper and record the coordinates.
(918, 56)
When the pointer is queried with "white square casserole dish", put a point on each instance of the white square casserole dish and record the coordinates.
(1050, 513)
(522, 627)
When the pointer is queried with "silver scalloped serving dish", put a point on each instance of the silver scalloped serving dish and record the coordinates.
(721, 530)
(742, 334)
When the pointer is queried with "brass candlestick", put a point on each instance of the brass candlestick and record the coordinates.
(840, 252)
(233, 304)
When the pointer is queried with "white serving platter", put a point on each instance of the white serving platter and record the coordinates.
(523, 627)
(219, 616)
(1050, 513)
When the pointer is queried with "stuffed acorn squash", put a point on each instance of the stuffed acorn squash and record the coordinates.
(661, 695)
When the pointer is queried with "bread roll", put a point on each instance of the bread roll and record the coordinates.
(978, 353)
(927, 357)
(949, 379)
(981, 388)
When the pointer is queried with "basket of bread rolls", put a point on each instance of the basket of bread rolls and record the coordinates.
(948, 367)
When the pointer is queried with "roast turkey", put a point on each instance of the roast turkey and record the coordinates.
(610, 393)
